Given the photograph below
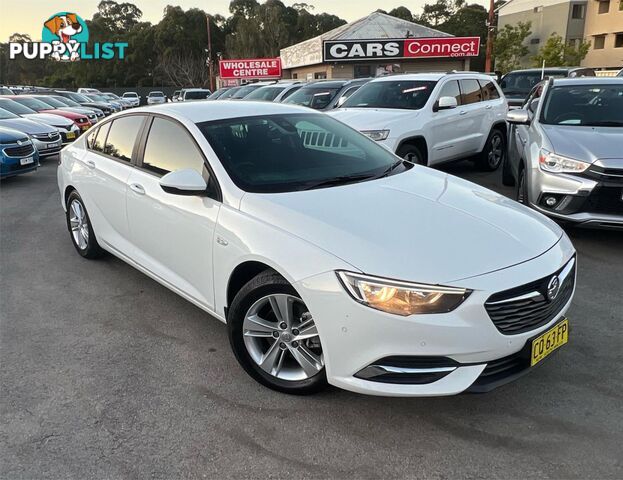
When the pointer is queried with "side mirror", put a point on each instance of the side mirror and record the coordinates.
(183, 182)
(533, 105)
(446, 103)
(518, 117)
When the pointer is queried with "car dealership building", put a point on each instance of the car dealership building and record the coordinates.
(377, 45)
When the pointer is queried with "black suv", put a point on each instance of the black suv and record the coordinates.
(517, 84)
(325, 94)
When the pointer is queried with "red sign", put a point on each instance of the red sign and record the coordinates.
(442, 47)
(250, 68)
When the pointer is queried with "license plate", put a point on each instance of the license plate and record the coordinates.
(549, 341)
(52, 145)
(71, 135)
(26, 161)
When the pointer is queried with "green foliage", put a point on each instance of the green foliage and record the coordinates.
(556, 53)
(509, 48)
(402, 12)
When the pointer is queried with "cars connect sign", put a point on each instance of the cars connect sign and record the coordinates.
(250, 68)
(340, 51)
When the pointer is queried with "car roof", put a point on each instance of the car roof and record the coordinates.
(549, 69)
(588, 81)
(222, 109)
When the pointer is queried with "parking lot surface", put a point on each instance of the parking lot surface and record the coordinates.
(107, 374)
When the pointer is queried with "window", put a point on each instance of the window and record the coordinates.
(313, 96)
(122, 136)
(489, 91)
(618, 40)
(537, 9)
(291, 152)
(535, 41)
(600, 42)
(585, 105)
(451, 89)
(470, 90)
(578, 10)
(170, 147)
(99, 137)
(320, 75)
(290, 92)
(620, 5)
(362, 71)
(402, 94)
(295, 75)
(604, 6)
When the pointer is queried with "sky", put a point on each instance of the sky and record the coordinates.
(27, 16)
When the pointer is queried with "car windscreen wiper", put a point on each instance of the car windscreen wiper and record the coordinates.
(392, 167)
(605, 123)
(340, 180)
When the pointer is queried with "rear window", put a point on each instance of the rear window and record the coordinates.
(197, 95)
(404, 94)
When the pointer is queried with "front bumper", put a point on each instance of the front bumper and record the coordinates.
(354, 336)
(590, 199)
(47, 148)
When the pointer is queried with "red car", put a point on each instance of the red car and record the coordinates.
(81, 121)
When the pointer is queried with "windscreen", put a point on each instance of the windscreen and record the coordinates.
(585, 105)
(52, 102)
(403, 94)
(266, 94)
(519, 84)
(14, 107)
(5, 114)
(317, 97)
(33, 103)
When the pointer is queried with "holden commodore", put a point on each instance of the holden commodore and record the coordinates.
(330, 259)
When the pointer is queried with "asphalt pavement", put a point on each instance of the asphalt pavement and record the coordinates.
(104, 373)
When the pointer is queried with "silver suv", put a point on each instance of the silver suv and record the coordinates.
(566, 151)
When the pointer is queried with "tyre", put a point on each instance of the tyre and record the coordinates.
(412, 153)
(493, 153)
(274, 337)
(522, 186)
(80, 228)
(508, 179)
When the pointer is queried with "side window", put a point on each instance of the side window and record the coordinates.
(470, 90)
(99, 138)
(489, 92)
(122, 136)
(91, 138)
(451, 89)
(170, 147)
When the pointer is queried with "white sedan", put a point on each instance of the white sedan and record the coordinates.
(329, 258)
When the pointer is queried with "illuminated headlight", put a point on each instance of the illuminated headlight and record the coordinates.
(376, 135)
(402, 298)
(550, 162)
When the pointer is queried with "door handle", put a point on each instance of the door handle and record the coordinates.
(89, 163)
(463, 112)
(489, 107)
(137, 188)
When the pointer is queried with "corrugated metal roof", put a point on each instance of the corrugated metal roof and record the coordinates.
(379, 25)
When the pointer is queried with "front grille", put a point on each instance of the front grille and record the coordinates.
(44, 137)
(527, 307)
(21, 151)
(608, 200)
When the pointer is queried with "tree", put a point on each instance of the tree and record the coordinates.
(508, 46)
(402, 12)
(556, 53)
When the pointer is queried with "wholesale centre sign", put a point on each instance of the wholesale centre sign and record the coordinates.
(250, 68)
(349, 50)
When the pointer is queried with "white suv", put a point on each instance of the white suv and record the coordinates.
(432, 118)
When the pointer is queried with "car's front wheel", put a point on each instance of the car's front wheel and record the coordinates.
(274, 336)
(79, 225)
(411, 153)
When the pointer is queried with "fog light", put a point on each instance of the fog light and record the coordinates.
(550, 201)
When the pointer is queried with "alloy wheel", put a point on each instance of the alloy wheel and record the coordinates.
(496, 152)
(281, 337)
(79, 224)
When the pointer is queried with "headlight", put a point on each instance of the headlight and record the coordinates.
(550, 162)
(402, 298)
(376, 135)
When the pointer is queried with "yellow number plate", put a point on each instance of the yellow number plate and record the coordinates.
(549, 341)
(71, 135)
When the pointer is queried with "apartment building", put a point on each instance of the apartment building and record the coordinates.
(604, 30)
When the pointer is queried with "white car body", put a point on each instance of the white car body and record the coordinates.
(419, 226)
(156, 100)
(449, 134)
(132, 97)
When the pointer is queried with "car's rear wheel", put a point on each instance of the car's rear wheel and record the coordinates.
(494, 152)
(411, 153)
(79, 225)
(274, 336)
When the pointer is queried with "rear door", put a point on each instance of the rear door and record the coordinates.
(173, 234)
(474, 112)
(108, 164)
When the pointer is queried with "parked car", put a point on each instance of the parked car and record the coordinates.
(517, 84)
(227, 94)
(218, 93)
(66, 127)
(189, 94)
(18, 155)
(274, 93)
(176, 95)
(620, 74)
(126, 103)
(88, 90)
(566, 151)
(6, 91)
(432, 118)
(133, 97)
(105, 107)
(98, 97)
(273, 235)
(57, 104)
(156, 97)
(45, 138)
(325, 94)
(80, 120)
(70, 103)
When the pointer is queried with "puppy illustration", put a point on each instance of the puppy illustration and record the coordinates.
(65, 27)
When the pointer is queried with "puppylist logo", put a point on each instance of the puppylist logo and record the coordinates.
(65, 37)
